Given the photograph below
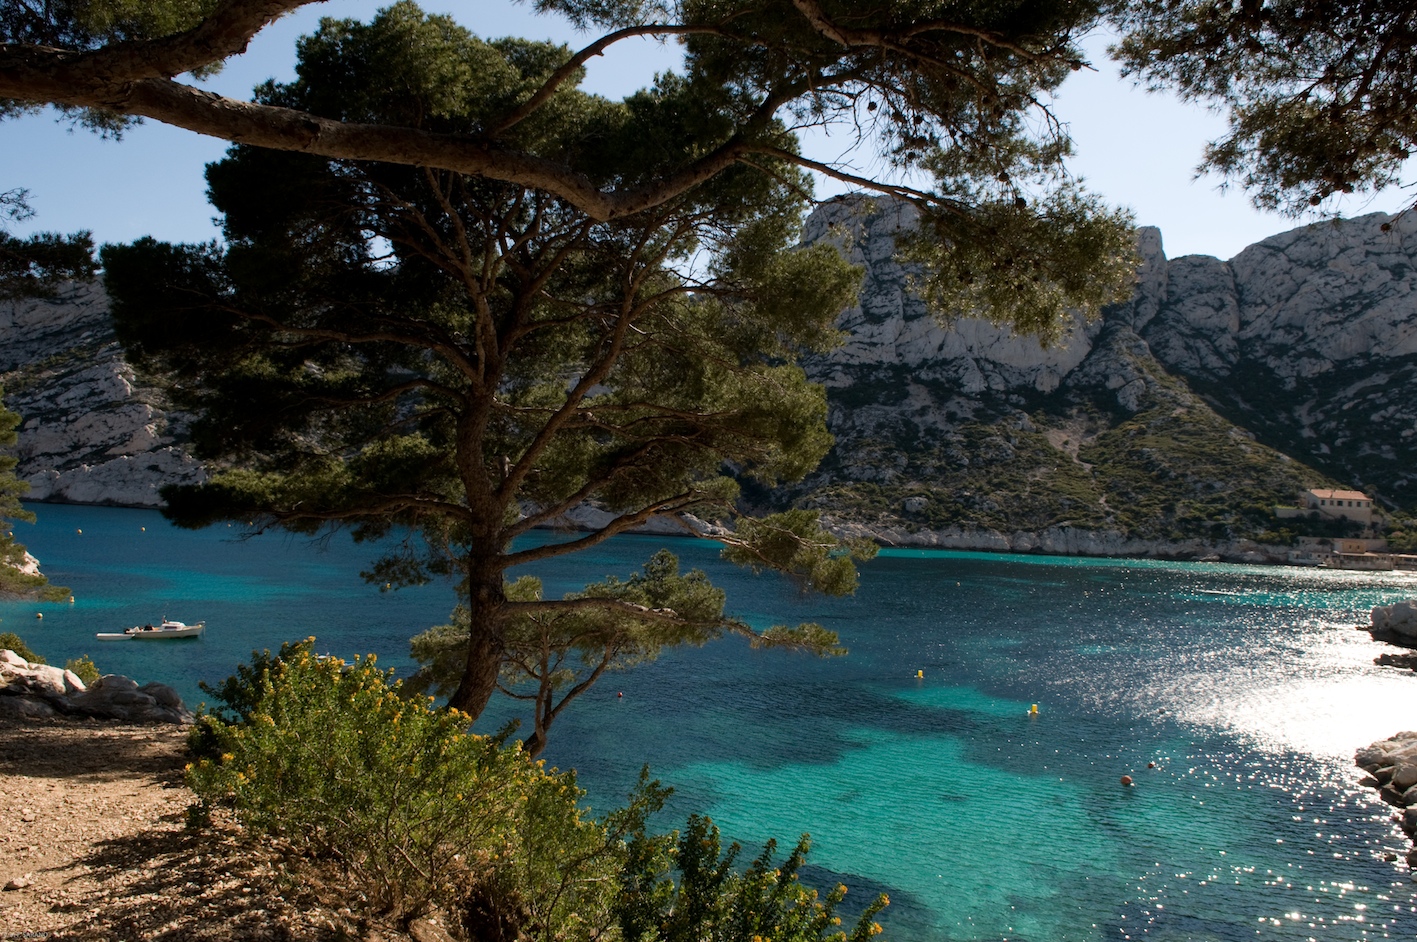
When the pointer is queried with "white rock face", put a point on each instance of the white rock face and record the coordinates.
(1301, 302)
(33, 329)
(89, 433)
(588, 517)
(1309, 338)
(891, 326)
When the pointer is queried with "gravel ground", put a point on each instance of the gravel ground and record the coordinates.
(93, 840)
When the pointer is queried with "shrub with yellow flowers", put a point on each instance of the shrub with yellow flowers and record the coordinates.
(328, 756)
(331, 758)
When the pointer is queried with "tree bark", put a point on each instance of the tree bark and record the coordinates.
(486, 643)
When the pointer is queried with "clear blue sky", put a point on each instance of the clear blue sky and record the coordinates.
(1136, 149)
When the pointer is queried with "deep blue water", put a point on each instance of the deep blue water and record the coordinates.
(1246, 686)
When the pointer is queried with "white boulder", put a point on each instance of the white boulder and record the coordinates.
(1400, 618)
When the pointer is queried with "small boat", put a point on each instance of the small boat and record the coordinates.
(167, 629)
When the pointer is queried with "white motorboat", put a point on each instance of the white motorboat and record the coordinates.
(166, 629)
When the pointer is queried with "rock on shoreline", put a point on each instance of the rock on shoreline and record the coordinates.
(1392, 769)
(39, 690)
(1396, 623)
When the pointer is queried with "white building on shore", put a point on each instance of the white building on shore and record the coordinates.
(1334, 504)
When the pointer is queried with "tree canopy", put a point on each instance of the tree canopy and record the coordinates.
(387, 346)
(471, 353)
(955, 92)
(34, 265)
(1321, 94)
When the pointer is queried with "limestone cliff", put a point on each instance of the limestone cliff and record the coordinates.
(1171, 425)
(89, 432)
(1308, 339)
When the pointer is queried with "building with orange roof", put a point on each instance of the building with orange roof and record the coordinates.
(1332, 503)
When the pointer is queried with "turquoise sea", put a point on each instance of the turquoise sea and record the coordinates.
(1247, 687)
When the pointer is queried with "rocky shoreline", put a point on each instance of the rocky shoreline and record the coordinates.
(1392, 769)
(1054, 541)
(1396, 624)
(33, 690)
(1391, 764)
(1066, 541)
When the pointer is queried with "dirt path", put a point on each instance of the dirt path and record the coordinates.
(92, 821)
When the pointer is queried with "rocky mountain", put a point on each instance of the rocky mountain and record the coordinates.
(1308, 339)
(1171, 425)
(90, 433)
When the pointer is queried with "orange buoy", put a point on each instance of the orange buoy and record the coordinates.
(620, 694)
(1151, 765)
(1126, 780)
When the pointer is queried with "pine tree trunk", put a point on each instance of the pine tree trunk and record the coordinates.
(485, 644)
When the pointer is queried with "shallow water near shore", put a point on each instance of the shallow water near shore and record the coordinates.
(1247, 687)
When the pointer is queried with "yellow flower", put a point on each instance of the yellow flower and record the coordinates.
(227, 756)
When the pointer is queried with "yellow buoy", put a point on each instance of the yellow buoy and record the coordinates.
(1033, 710)
(919, 673)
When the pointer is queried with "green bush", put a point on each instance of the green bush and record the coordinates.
(13, 642)
(713, 902)
(332, 760)
(84, 668)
